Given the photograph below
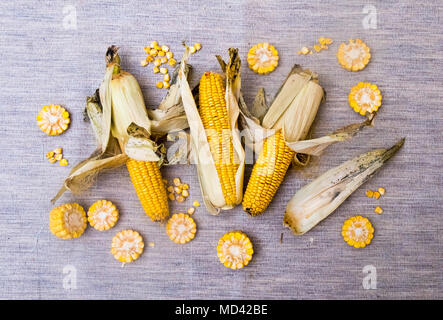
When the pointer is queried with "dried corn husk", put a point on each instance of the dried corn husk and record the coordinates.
(122, 126)
(200, 152)
(317, 200)
(293, 110)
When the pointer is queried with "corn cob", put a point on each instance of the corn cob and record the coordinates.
(216, 122)
(150, 189)
(267, 174)
(67, 221)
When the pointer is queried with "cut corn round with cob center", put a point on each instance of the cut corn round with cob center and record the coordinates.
(102, 215)
(353, 56)
(263, 58)
(235, 250)
(357, 232)
(53, 119)
(365, 97)
(267, 174)
(127, 246)
(67, 221)
(181, 228)
(216, 122)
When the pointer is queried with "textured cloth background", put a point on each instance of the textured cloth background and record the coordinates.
(42, 62)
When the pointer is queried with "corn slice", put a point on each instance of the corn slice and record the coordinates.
(67, 221)
(181, 228)
(53, 119)
(102, 215)
(378, 210)
(235, 250)
(263, 58)
(357, 232)
(353, 56)
(365, 97)
(127, 246)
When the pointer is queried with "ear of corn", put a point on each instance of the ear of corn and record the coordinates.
(67, 221)
(235, 250)
(317, 200)
(215, 143)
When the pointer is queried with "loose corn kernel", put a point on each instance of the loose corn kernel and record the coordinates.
(171, 189)
(324, 41)
(167, 77)
(166, 85)
(58, 150)
(165, 48)
(369, 193)
(172, 62)
(181, 228)
(149, 58)
(153, 52)
(53, 119)
(304, 50)
(376, 194)
(144, 63)
(52, 160)
(381, 190)
(159, 85)
(102, 215)
(178, 190)
(63, 162)
(185, 193)
(185, 186)
(353, 56)
(67, 221)
(169, 55)
(50, 154)
(154, 44)
(180, 198)
(263, 58)
(317, 48)
(147, 49)
(156, 70)
(323, 46)
(191, 210)
(177, 182)
(197, 46)
(161, 53)
(235, 250)
(158, 48)
(171, 196)
(163, 60)
(365, 97)
(157, 62)
(378, 210)
(127, 246)
(357, 231)
(165, 181)
(164, 70)
(196, 203)
(151, 244)
(192, 50)
(58, 157)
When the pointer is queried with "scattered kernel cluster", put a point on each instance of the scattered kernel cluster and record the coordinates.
(321, 45)
(160, 55)
(376, 194)
(57, 155)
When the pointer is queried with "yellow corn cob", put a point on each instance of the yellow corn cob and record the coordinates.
(67, 221)
(147, 181)
(267, 174)
(215, 120)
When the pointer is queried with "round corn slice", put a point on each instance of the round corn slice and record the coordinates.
(365, 97)
(357, 231)
(127, 246)
(263, 58)
(234, 250)
(53, 119)
(102, 215)
(181, 228)
(67, 221)
(353, 56)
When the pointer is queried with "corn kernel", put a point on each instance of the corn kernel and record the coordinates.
(58, 157)
(166, 78)
(58, 150)
(197, 46)
(154, 44)
(156, 70)
(161, 53)
(317, 48)
(151, 244)
(376, 194)
(185, 186)
(102, 215)
(177, 182)
(171, 196)
(147, 49)
(178, 190)
(381, 190)
(191, 211)
(165, 48)
(153, 52)
(185, 193)
(158, 48)
(172, 62)
(163, 60)
(149, 58)
(166, 85)
(63, 162)
(180, 198)
(378, 210)
(192, 50)
(170, 189)
(52, 160)
(369, 193)
(144, 63)
(164, 70)
(169, 55)
(50, 154)
(196, 203)
(159, 85)
(157, 62)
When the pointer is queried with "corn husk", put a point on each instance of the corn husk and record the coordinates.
(200, 153)
(293, 111)
(122, 126)
(317, 200)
